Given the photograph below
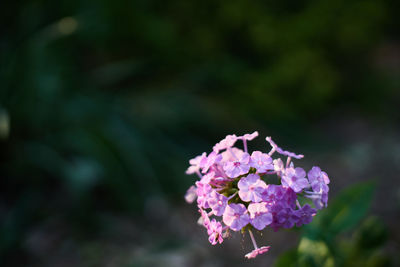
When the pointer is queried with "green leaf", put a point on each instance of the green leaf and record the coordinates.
(371, 234)
(287, 259)
(314, 253)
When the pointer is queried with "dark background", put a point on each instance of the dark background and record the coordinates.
(102, 104)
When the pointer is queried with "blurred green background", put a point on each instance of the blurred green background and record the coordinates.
(102, 104)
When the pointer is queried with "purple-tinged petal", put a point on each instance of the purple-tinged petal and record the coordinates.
(191, 194)
(207, 177)
(214, 230)
(318, 179)
(261, 161)
(235, 216)
(203, 191)
(305, 215)
(195, 164)
(256, 252)
(217, 203)
(279, 167)
(204, 219)
(239, 167)
(251, 188)
(248, 137)
(232, 154)
(213, 158)
(260, 217)
(276, 148)
(227, 142)
(295, 179)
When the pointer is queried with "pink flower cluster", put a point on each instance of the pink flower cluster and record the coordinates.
(235, 190)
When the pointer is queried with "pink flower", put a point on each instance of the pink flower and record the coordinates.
(261, 161)
(191, 194)
(238, 167)
(195, 164)
(214, 230)
(203, 191)
(305, 215)
(232, 154)
(276, 148)
(232, 195)
(204, 219)
(235, 216)
(259, 215)
(256, 252)
(212, 159)
(206, 179)
(279, 167)
(295, 179)
(318, 180)
(217, 203)
(225, 143)
(251, 188)
(248, 137)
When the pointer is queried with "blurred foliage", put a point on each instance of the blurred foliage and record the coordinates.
(102, 102)
(342, 235)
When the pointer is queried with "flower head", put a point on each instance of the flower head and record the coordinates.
(236, 191)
